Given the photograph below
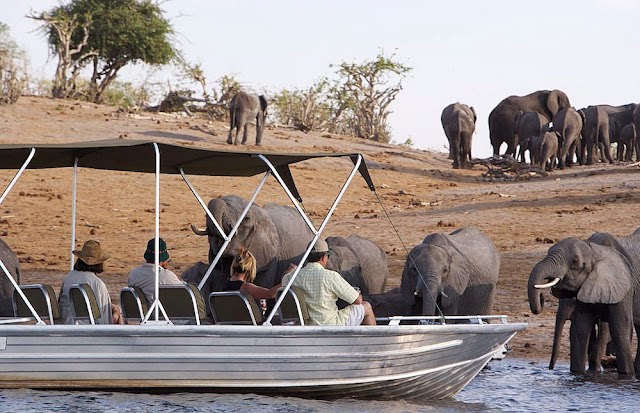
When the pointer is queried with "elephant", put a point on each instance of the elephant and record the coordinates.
(362, 255)
(568, 124)
(277, 236)
(627, 142)
(245, 109)
(548, 151)
(603, 282)
(635, 119)
(596, 133)
(459, 123)
(528, 125)
(10, 260)
(502, 117)
(623, 113)
(459, 271)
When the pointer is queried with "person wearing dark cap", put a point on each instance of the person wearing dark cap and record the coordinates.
(322, 288)
(90, 261)
(144, 276)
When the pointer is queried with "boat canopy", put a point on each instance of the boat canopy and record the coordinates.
(133, 156)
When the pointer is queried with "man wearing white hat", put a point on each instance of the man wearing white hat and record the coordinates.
(322, 288)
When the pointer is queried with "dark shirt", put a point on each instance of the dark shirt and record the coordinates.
(234, 285)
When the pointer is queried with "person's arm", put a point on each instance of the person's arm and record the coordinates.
(258, 292)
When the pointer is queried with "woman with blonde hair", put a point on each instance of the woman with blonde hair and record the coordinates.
(243, 272)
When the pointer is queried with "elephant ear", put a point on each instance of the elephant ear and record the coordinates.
(458, 277)
(609, 281)
(553, 101)
(263, 102)
(475, 116)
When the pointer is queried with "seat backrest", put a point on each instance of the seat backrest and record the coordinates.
(293, 308)
(43, 299)
(84, 305)
(234, 307)
(134, 303)
(183, 302)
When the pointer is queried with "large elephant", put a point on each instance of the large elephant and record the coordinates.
(459, 271)
(10, 261)
(277, 235)
(568, 124)
(459, 123)
(602, 280)
(528, 125)
(246, 109)
(502, 117)
(596, 134)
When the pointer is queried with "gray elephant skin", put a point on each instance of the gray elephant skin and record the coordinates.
(244, 110)
(458, 270)
(528, 125)
(548, 151)
(604, 284)
(10, 261)
(277, 236)
(502, 117)
(627, 143)
(459, 123)
(567, 123)
(596, 134)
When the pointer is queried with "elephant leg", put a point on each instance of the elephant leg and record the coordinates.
(455, 149)
(579, 334)
(598, 346)
(621, 326)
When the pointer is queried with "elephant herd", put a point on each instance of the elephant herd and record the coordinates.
(545, 124)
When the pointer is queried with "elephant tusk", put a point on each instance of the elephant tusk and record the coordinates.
(199, 231)
(444, 295)
(549, 284)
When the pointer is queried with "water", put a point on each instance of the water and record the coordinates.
(510, 385)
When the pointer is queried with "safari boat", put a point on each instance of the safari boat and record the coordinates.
(406, 358)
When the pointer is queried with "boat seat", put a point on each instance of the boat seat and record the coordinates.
(43, 299)
(234, 307)
(134, 303)
(293, 309)
(183, 302)
(84, 305)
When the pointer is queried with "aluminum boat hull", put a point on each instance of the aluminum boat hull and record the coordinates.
(379, 362)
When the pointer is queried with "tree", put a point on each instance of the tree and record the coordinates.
(306, 109)
(362, 96)
(12, 67)
(106, 35)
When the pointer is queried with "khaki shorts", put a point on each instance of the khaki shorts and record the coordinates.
(356, 315)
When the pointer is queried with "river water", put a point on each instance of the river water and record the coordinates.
(510, 385)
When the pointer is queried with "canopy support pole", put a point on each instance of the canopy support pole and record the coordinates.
(32, 152)
(316, 233)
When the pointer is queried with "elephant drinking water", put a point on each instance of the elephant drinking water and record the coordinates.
(459, 271)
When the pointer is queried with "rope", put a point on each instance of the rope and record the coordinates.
(440, 313)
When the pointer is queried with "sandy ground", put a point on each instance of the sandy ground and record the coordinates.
(418, 190)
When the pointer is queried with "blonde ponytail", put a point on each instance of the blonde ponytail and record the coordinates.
(244, 263)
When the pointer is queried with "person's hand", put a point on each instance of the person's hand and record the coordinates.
(291, 268)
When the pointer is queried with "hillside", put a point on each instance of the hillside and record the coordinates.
(419, 190)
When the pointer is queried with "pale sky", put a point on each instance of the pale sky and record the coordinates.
(473, 51)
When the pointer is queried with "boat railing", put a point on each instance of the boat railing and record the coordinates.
(468, 319)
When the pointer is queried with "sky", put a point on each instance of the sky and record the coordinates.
(470, 51)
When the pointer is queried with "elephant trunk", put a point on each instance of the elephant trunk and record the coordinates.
(541, 277)
(429, 289)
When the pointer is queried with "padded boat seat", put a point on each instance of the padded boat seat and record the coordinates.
(183, 302)
(234, 307)
(43, 299)
(84, 305)
(134, 303)
(293, 309)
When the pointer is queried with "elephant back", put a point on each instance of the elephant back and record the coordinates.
(480, 252)
(10, 261)
(356, 252)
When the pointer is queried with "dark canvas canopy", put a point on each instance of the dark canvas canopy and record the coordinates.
(139, 156)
